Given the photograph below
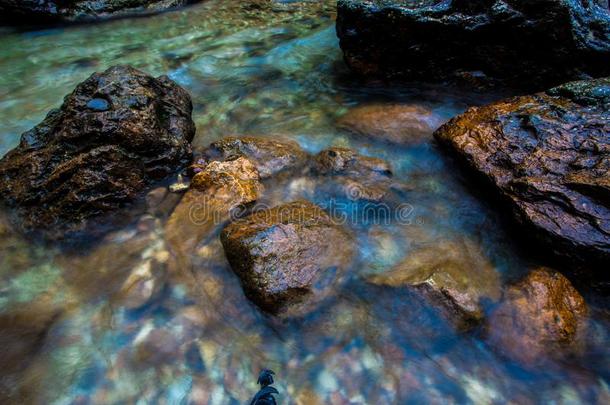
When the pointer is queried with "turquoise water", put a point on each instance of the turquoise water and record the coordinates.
(77, 333)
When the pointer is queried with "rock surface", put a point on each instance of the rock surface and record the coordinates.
(452, 274)
(548, 155)
(288, 255)
(353, 176)
(88, 158)
(214, 193)
(527, 44)
(394, 123)
(541, 316)
(270, 156)
(35, 11)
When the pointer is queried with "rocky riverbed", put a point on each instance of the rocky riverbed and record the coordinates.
(248, 200)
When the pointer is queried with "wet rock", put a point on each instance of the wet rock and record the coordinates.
(215, 193)
(541, 316)
(394, 123)
(30, 11)
(353, 176)
(453, 274)
(548, 155)
(80, 163)
(270, 156)
(522, 43)
(288, 255)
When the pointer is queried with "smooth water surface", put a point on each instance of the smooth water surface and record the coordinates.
(73, 330)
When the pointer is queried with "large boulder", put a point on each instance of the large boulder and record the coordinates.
(287, 257)
(524, 43)
(271, 156)
(35, 11)
(548, 155)
(453, 275)
(542, 316)
(117, 133)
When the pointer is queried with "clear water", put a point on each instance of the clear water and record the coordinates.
(72, 336)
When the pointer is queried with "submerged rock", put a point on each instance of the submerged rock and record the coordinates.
(528, 44)
(288, 255)
(214, 193)
(80, 163)
(453, 274)
(270, 156)
(548, 155)
(394, 123)
(35, 11)
(541, 316)
(353, 176)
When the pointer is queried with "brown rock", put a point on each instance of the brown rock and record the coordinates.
(548, 155)
(397, 123)
(116, 134)
(353, 176)
(288, 255)
(541, 316)
(270, 156)
(454, 275)
(220, 188)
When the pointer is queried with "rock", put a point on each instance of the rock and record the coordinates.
(80, 163)
(353, 176)
(522, 43)
(214, 193)
(23, 332)
(541, 316)
(453, 274)
(394, 123)
(37, 11)
(288, 255)
(548, 155)
(271, 157)
(143, 284)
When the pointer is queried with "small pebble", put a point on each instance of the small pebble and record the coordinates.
(98, 104)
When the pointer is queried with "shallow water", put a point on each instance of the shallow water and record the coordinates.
(71, 333)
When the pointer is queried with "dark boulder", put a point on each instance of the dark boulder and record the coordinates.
(287, 257)
(542, 316)
(82, 162)
(271, 156)
(38, 11)
(523, 43)
(548, 155)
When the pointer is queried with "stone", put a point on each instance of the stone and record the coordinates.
(50, 11)
(288, 256)
(270, 156)
(215, 192)
(548, 156)
(80, 164)
(540, 317)
(394, 123)
(356, 177)
(521, 43)
(454, 275)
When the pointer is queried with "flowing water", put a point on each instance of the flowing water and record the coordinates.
(72, 331)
